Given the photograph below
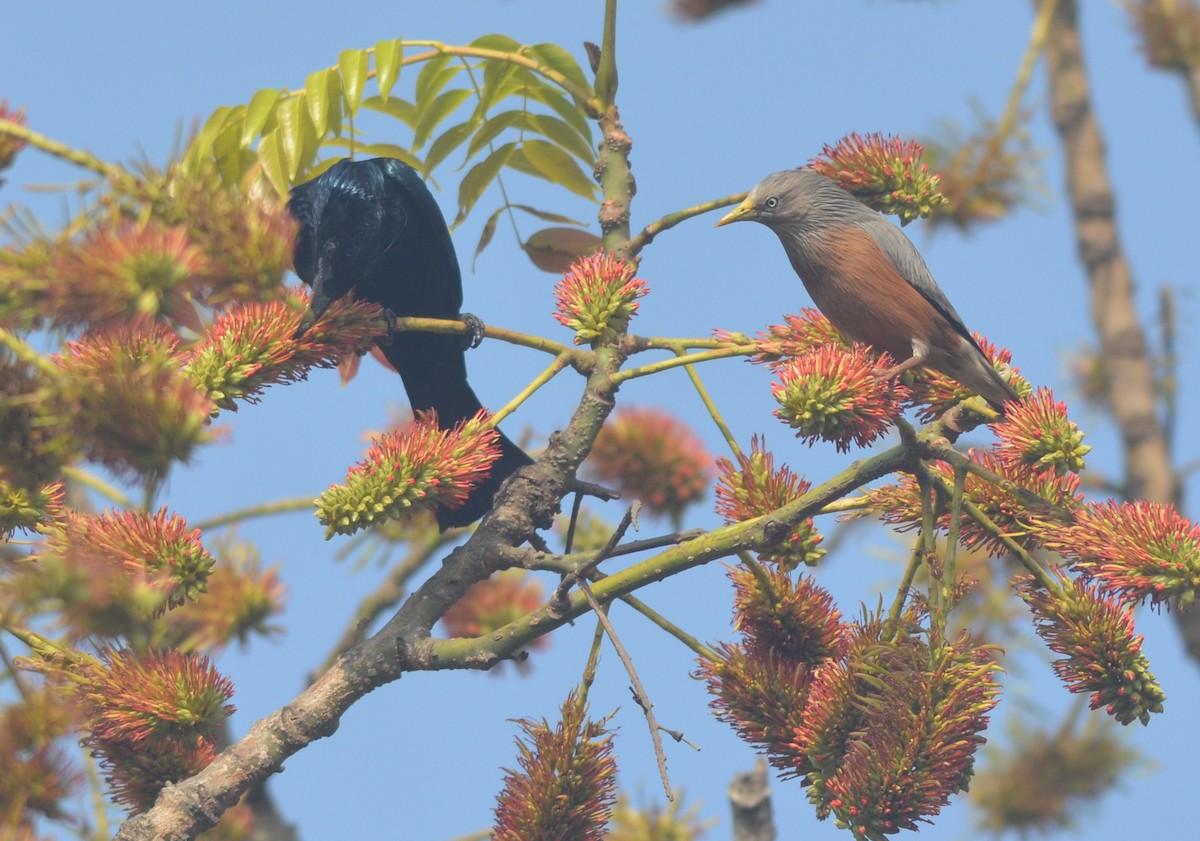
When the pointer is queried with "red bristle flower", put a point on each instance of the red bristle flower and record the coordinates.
(884, 172)
(797, 336)
(1037, 434)
(421, 466)
(1139, 550)
(1041, 498)
(135, 698)
(253, 345)
(762, 696)
(137, 413)
(597, 296)
(566, 785)
(127, 269)
(796, 619)
(137, 774)
(934, 393)
(1102, 654)
(914, 747)
(832, 394)
(153, 551)
(655, 457)
(240, 600)
(24, 509)
(493, 603)
(755, 488)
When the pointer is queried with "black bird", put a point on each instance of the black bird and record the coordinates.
(372, 229)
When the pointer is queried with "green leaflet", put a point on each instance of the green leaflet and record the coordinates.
(558, 167)
(388, 57)
(353, 65)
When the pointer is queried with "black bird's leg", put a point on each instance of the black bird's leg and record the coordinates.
(475, 329)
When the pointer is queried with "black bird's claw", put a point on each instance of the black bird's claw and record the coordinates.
(386, 339)
(306, 322)
(475, 329)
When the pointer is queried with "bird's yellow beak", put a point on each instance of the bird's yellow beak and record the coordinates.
(743, 211)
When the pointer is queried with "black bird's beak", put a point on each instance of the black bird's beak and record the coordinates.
(319, 302)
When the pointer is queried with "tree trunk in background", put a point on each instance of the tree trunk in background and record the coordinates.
(1131, 390)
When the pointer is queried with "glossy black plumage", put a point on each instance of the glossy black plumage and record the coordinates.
(372, 229)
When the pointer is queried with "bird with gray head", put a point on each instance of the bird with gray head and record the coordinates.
(868, 279)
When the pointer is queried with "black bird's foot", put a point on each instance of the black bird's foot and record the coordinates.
(386, 339)
(475, 329)
(307, 320)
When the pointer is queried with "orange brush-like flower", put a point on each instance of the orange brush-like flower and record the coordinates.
(597, 296)
(566, 785)
(418, 467)
(833, 394)
(653, 456)
(884, 172)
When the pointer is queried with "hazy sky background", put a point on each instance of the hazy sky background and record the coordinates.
(711, 109)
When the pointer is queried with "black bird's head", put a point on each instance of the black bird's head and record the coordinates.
(344, 230)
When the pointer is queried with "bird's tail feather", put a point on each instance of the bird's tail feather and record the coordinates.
(973, 370)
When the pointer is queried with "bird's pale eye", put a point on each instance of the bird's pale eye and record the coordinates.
(771, 203)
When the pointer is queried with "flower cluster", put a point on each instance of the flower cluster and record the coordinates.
(136, 411)
(24, 509)
(985, 174)
(151, 717)
(1102, 654)
(884, 172)
(124, 269)
(1043, 780)
(654, 457)
(253, 345)
(597, 296)
(566, 785)
(422, 466)
(240, 600)
(1137, 550)
(1037, 434)
(1021, 509)
(39, 776)
(493, 603)
(797, 336)
(156, 555)
(755, 488)
(881, 725)
(935, 393)
(832, 394)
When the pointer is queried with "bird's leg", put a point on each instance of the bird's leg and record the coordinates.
(919, 355)
(475, 329)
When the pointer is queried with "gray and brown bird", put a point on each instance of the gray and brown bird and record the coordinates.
(868, 279)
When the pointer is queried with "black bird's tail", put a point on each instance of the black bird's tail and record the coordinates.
(434, 372)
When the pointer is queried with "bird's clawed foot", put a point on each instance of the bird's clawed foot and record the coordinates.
(475, 329)
(386, 339)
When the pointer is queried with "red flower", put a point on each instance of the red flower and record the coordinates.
(755, 489)
(566, 786)
(799, 335)
(418, 467)
(1019, 515)
(884, 172)
(1140, 550)
(654, 457)
(1102, 654)
(9, 145)
(597, 296)
(253, 345)
(832, 394)
(1036, 433)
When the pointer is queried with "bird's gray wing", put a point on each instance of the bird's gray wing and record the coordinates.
(908, 261)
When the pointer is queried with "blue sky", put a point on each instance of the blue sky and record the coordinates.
(711, 109)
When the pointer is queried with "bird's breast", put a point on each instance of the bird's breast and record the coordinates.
(856, 286)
